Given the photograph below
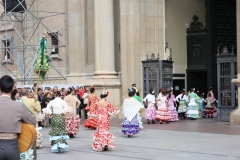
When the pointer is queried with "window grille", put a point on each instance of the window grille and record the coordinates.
(227, 91)
(54, 38)
(156, 75)
(6, 49)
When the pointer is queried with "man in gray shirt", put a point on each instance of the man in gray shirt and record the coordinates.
(12, 115)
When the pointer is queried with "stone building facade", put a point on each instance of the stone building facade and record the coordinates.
(101, 43)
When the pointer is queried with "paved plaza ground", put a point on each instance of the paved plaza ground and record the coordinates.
(204, 139)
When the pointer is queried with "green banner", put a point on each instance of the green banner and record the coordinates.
(41, 65)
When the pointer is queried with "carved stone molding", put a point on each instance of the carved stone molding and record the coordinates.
(196, 26)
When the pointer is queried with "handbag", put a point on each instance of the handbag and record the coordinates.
(146, 104)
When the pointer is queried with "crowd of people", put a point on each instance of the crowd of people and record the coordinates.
(62, 109)
(165, 107)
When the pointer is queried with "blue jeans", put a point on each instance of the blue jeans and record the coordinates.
(202, 108)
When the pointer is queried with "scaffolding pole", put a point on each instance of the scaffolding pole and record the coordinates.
(24, 56)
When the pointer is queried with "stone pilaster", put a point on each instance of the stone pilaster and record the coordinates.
(76, 40)
(104, 39)
(235, 115)
(105, 76)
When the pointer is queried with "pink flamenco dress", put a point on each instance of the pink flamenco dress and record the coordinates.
(162, 113)
(150, 111)
(91, 122)
(172, 109)
(102, 138)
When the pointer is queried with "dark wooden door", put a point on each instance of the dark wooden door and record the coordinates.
(198, 80)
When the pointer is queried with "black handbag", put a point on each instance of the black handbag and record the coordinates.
(82, 106)
(146, 104)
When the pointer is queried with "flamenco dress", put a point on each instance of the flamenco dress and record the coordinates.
(213, 104)
(192, 106)
(102, 138)
(72, 120)
(139, 118)
(209, 108)
(130, 124)
(162, 113)
(172, 109)
(199, 107)
(58, 133)
(150, 111)
(91, 122)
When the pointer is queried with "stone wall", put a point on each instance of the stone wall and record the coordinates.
(141, 32)
(178, 14)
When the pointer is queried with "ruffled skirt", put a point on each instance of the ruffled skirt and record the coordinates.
(192, 110)
(72, 124)
(130, 127)
(58, 133)
(182, 108)
(91, 123)
(150, 112)
(28, 155)
(173, 113)
(210, 110)
(163, 115)
(101, 140)
(59, 142)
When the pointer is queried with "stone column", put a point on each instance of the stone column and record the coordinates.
(76, 44)
(104, 39)
(235, 115)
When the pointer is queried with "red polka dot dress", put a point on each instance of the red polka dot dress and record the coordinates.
(102, 138)
(91, 122)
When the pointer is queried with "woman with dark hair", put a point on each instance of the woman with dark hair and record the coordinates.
(171, 107)
(139, 118)
(151, 102)
(214, 101)
(72, 119)
(210, 107)
(58, 134)
(102, 139)
(131, 106)
(13, 94)
(192, 106)
(162, 113)
(182, 108)
(91, 122)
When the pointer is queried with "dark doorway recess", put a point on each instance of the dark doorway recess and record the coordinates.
(198, 80)
(178, 85)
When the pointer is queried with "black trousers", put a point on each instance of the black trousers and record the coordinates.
(82, 109)
(9, 150)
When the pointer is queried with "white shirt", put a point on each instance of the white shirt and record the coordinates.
(201, 100)
(85, 98)
(179, 97)
(57, 106)
(151, 98)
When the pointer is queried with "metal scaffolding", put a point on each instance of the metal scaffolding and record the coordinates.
(20, 53)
